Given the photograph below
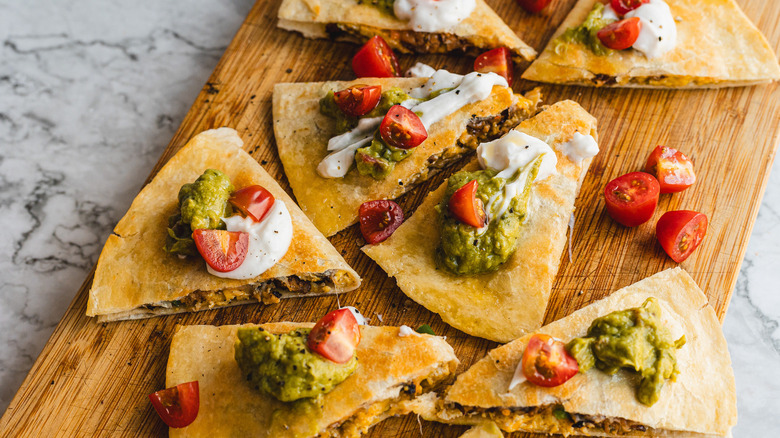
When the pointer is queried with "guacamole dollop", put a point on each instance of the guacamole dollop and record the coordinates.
(282, 365)
(632, 339)
(586, 32)
(202, 205)
(465, 250)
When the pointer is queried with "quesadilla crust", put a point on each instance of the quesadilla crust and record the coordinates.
(701, 401)
(482, 30)
(332, 204)
(377, 389)
(135, 277)
(732, 53)
(501, 305)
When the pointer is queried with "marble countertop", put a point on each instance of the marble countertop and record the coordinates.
(91, 92)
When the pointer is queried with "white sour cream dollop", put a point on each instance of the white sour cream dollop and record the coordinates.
(420, 70)
(433, 15)
(405, 331)
(609, 14)
(659, 32)
(269, 241)
(579, 148)
(472, 88)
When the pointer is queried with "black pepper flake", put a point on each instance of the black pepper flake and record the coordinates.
(660, 39)
(526, 146)
(457, 91)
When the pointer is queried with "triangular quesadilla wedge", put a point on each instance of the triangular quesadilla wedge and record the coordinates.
(302, 134)
(699, 402)
(358, 20)
(716, 46)
(136, 278)
(392, 370)
(504, 304)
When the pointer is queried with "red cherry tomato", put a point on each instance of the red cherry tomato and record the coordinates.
(177, 406)
(533, 6)
(223, 250)
(547, 363)
(680, 232)
(379, 219)
(672, 169)
(358, 100)
(402, 128)
(498, 61)
(466, 207)
(375, 59)
(631, 198)
(335, 336)
(621, 34)
(253, 201)
(622, 7)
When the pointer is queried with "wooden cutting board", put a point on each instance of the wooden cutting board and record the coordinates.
(92, 379)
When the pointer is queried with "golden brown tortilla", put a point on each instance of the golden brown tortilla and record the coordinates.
(482, 30)
(505, 304)
(302, 135)
(702, 402)
(717, 46)
(134, 272)
(231, 407)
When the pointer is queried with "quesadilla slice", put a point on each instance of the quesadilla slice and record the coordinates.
(380, 387)
(679, 44)
(494, 282)
(662, 322)
(336, 162)
(144, 270)
(409, 26)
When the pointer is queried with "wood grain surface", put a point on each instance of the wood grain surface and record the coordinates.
(92, 379)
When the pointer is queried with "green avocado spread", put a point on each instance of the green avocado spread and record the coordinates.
(202, 205)
(282, 365)
(586, 32)
(378, 158)
(465, 250)
(632, 339)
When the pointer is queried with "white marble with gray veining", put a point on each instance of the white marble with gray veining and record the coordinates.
(91, 91)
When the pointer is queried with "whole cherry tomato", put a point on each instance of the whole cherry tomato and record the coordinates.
(466, 207)
(379, 219)
(680, 232)
(672, 169)
(498, 61)
(335, 336)
(546, 362)
(622, 7)
(254, 201)
(533, 6)
(621, 34)
(177, 406)
(223, 250)
(358, 100)
(631, 198)
(375, 59)
(401, 128)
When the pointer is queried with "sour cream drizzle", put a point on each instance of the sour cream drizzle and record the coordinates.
(659, 31)
(579, 148)
(467, 89)
(433, 15)
(269, 241)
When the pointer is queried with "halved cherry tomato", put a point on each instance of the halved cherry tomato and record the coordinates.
(223, 250)
(622, 7)
(466, 207)
(631, 198)
(547, 363)
(680, 232)
(672, 169)
(498, 61)
(358, 100)
(253, 201)
(621, 34)
(402, 128)
(177, 406)
(533, 6)
(376, 60)
(335, 336)
(379, 219)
